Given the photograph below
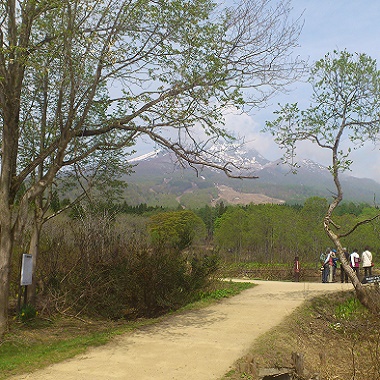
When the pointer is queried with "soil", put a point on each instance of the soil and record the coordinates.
(231, 196)
(194, 345)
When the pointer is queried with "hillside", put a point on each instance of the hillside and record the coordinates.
(158, 179)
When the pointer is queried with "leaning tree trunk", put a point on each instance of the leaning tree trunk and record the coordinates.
(368, 296)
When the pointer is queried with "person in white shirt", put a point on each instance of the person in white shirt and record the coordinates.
(354, 261)
(367, 262)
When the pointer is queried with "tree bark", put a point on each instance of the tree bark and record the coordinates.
(366, 295)
(5, 263)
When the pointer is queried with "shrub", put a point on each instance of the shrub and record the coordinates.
(27, 313)
(138, 284)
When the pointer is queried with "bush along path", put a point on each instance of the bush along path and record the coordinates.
(193, 345)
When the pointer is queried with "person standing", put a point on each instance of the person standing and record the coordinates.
(367, 262)
(325, 260)
(343, 273)
(297, 269)
(355, 261)
(333, 265)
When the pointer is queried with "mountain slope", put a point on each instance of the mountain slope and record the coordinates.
(158, 179)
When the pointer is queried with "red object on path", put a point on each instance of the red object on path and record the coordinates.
(296, 269)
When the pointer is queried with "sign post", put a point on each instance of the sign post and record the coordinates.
(26, 277)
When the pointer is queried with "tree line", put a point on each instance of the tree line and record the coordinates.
(265, 233)
(277, 233)
(118, 261)
(81, 81)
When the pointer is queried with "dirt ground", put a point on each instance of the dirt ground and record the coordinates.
(194, 345)
(234, 197)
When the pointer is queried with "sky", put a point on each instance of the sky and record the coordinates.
(328, 25)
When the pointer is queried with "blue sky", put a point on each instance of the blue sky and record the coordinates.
(328, 25)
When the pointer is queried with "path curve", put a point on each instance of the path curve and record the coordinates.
(194, 345)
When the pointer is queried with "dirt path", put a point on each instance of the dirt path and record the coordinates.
(195, 345)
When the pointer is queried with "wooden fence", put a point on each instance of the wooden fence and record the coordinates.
(276, 274)
(284, 274)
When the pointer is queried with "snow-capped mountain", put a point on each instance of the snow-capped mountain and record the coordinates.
(144, 157)
(158, 172)
(217, 153)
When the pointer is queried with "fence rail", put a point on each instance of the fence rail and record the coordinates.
(287, 274)
(277, 274)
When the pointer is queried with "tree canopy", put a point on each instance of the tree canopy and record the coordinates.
(343, 114)
(176, 229)
(344, 111)
(79, 79)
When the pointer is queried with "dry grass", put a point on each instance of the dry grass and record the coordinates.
(337, 342)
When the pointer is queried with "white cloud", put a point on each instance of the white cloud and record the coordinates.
(366, 160)
(329, 25)
(249, 128)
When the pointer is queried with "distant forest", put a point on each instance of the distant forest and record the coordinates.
(115, 260)
(266, 233)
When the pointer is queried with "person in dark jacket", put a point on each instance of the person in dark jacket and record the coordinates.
(325, 260)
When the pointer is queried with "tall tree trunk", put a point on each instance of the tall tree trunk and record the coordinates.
(8, 170)
(6, 245)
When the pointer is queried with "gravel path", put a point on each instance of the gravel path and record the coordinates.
(194, 345)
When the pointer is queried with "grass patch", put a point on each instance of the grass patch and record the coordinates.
(37, 344)
(349, 309)
(225, 290)
(219, 291)
(41, 342)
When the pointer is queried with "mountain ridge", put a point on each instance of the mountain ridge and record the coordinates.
(157, 176)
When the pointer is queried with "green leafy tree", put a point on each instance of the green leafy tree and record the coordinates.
(263, 233)
(231, 231)
(310, 227)
(176, 229)
(269, 239)
(210, 214)
(344, 113)
(95, 76)
(351, 208)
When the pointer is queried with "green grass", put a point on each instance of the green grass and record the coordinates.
(38, 343)
(24, 351)
(225, 292)
(349, 309)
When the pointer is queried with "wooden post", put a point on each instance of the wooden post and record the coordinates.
(25, 295)
(298, 362)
